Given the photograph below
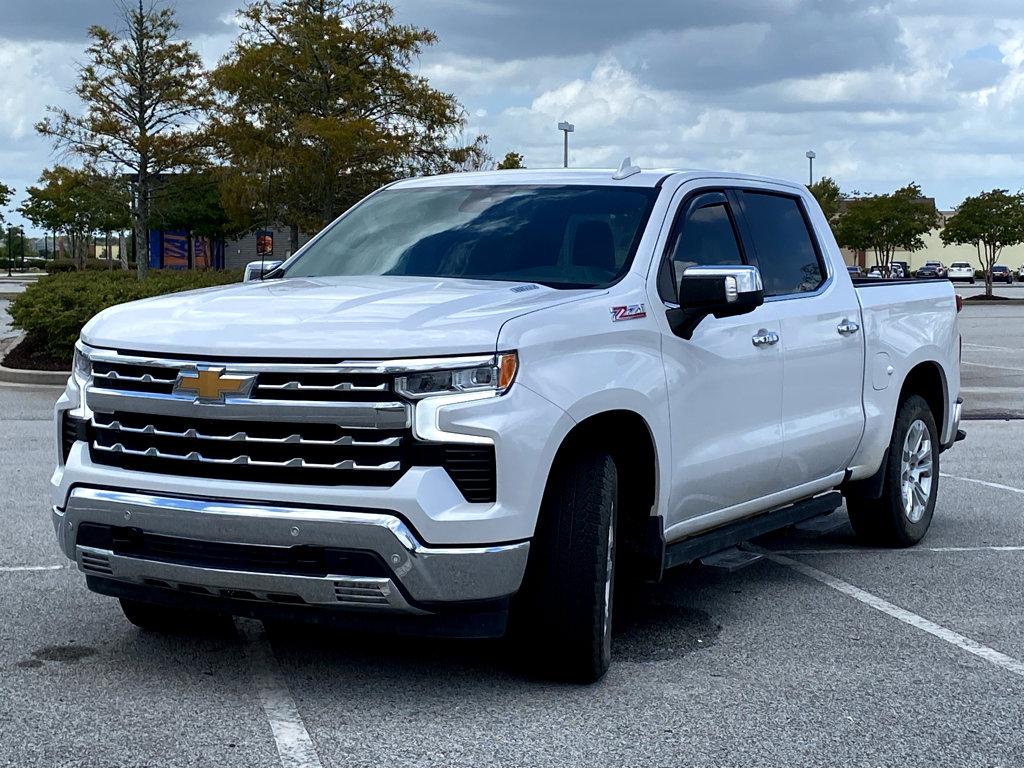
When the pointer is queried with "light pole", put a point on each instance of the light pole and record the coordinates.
(810, 166)
(566, 129)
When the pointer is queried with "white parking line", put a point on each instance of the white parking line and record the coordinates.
(988, 365)
(880, 604)
(294, 745)
(990, 484)
(990, 347)
(31, 568)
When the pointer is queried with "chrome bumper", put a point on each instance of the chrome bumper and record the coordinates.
(421, 574)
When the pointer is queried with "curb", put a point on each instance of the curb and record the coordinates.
(27, 376)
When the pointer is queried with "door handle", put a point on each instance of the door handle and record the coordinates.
(764, 338)
(848, 327)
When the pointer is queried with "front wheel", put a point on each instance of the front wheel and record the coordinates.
(903, 513)
(563, 614)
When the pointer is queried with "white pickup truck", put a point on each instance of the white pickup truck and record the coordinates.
(476, 402)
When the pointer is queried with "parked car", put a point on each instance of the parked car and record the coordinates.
(1001, 274)
(486, 394)
(855, 271)
(1020, 272)
(961, 271)
(933, 265)
(900, 269)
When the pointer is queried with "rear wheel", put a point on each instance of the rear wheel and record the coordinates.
(900, 517)
(174, 620)
(563, 615)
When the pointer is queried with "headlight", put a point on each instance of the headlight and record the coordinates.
(81, 367)
(495, 376)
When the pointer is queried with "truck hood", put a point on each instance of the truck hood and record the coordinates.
(335, 317)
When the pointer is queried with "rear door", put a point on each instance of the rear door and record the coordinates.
(821, 339)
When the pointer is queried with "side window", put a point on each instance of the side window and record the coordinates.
(786, 254)
(705, 237)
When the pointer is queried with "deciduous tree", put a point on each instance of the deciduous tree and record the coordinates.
(988, 221)
(511, 160)
(319, 107)
(884, 223)
(77, 202)
(143, 92)
(829, 197)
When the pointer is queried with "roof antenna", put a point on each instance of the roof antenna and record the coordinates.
(626, 169)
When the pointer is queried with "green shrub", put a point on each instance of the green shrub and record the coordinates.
(53, 310)
(68, 265)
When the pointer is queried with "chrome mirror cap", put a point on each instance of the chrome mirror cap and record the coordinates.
(739, 278)
(256, 270)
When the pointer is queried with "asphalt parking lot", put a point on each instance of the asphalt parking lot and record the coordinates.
(824, 653)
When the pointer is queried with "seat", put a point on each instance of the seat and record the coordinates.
(594, 246)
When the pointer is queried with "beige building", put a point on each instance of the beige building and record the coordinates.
(1011, 256)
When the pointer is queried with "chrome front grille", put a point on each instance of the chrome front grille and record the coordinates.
(146, 377)
(313, 423)
(310, 452)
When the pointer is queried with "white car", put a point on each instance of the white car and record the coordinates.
(961, 271)
(491, 392)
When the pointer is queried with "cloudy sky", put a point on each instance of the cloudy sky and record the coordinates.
(885, 92)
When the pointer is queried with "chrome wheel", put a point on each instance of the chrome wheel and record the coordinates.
(916, 471)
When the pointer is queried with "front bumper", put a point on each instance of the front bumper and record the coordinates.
(421, 579)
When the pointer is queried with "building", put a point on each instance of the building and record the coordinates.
(180, 250)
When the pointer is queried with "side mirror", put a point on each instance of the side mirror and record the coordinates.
(722, 291)
(259, 270)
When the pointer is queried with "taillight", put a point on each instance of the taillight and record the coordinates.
(959, 302)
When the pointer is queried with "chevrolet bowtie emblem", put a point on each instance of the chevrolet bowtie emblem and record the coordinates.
(211, 385)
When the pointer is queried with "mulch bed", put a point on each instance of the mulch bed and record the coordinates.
(26, 355)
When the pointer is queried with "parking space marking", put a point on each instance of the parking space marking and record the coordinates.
(990, 484)
(294, 745)
(968, 645)
(990, 347)
(989, 365)
(31, 568)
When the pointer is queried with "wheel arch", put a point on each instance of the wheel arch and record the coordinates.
(627, 436)
(928, 380)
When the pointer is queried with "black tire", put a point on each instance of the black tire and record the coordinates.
(886, 520)
(174, 620)
(563, 614)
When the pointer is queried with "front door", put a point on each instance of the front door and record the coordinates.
(724, 384)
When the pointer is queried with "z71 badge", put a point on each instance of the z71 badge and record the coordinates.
(629, 312)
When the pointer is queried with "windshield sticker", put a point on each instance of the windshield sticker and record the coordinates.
(629, 312)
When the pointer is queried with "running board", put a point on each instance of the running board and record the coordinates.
(732, 534)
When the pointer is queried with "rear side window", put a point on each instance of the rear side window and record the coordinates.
(786, 255)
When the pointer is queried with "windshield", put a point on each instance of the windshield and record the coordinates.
(960, 265)
(562, 236)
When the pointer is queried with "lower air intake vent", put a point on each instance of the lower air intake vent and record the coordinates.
(95, 563)
(472, 469)
(363, 592)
